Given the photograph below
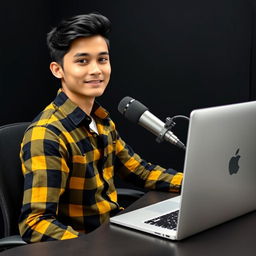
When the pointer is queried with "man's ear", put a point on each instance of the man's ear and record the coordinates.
(56, 69)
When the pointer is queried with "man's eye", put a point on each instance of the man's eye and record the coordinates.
(82, 61)
(103, 59)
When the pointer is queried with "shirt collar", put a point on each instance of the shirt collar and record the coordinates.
(75, 113)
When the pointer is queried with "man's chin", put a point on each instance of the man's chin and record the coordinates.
(92, 93)
(98, 93)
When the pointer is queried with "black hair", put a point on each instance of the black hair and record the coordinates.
(60, 38)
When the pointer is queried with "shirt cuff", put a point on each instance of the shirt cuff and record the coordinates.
(176, 182)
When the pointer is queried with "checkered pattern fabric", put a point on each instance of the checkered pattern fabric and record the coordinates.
(68, 171)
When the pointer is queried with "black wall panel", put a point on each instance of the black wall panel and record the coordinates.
(174, 56)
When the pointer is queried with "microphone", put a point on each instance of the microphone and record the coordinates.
(136, 112)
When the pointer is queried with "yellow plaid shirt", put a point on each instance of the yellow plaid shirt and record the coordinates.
(68, 172)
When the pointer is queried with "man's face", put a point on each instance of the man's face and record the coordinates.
(86, 68)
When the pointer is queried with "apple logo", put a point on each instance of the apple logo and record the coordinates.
(233, 163)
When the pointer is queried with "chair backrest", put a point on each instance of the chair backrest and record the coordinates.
(11, 178)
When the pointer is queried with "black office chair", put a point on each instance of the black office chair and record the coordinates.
(11, 184)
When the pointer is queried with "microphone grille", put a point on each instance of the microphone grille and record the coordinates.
(124, 104)
(131, 109)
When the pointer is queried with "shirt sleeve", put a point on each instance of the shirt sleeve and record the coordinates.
(133, 168)
(45, 171)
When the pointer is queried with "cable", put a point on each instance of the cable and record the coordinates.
(180, 116)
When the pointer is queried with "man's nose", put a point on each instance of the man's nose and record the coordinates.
(94, 68)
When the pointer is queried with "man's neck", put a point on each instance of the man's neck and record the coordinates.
(85, 103)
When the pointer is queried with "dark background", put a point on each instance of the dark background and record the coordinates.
(173, 56)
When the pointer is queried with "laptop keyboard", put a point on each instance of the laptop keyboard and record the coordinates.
(168, 220)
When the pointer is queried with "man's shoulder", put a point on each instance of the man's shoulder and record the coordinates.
(50, 118)
(47, 116)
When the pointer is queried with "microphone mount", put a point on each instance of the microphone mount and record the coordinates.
(169, 124)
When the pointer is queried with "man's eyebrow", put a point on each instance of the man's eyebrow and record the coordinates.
(104, 53)
(83, 54)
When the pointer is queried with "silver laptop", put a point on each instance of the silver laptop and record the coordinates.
(219, 176)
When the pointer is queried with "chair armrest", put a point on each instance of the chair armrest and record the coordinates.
(11, 241)
(127, 196)
(136, 194)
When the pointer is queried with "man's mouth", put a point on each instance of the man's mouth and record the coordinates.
(94, 81)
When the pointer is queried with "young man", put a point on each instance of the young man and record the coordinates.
(72, 150)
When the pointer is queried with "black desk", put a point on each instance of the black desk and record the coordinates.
(237, 237)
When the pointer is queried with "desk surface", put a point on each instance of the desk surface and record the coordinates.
(236, 237)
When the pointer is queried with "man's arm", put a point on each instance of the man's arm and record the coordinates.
(137, 170)
(45, 172)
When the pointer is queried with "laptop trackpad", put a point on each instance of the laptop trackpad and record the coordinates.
(166, 205)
